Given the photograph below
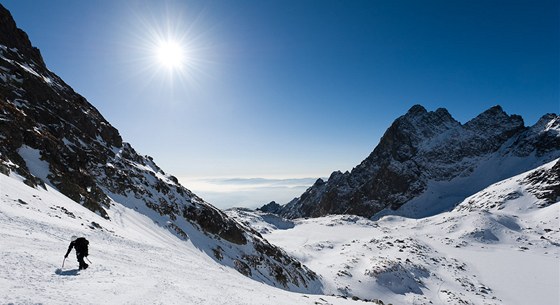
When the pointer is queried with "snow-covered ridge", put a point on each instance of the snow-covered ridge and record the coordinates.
(542, 183)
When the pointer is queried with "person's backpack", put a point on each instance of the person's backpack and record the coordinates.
(81, 245)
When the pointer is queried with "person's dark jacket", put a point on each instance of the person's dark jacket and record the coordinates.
(81, 246)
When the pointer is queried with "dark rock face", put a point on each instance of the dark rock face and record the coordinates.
(540, 139)
(271, 207)
(226, 228)
(422, 147)
(12, 37)
(545, 184)
(50, 135)
(40, 111)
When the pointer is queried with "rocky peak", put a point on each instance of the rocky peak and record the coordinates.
(319, 181)
(416, 110)
(542, 139)
(403, 138)
(271, 207)
(417, 114)
(13, 37)
(428, 146)
(336, 175)
(548, 122)
(496, 121)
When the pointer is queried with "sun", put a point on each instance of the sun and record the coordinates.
(170, 54)
(169, 49)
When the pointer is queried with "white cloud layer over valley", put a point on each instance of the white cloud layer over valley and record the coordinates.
(247, 192)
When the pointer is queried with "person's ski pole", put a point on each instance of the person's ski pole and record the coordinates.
(88, 260)
(63, 263)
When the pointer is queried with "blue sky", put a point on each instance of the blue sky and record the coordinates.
(291, 89)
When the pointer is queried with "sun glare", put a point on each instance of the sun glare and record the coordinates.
(170, 54)
(170, 49)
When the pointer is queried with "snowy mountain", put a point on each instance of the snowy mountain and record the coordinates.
(499, 246)
(427, 162)
(54, 139)
(133, 259)
(64, 170)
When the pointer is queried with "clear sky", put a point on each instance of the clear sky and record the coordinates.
(292, 89)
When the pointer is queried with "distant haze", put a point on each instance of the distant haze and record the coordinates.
(246, 192)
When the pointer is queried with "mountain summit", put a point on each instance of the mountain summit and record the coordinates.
(52, 137)
(429, 162)
(13, 37)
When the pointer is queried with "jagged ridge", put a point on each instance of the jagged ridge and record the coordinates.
(423, 147)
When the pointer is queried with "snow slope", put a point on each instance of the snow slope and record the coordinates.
(499, 246)
(493, 248)
(52, 136)
(134, 260)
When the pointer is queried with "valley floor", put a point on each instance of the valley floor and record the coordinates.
(407, 261)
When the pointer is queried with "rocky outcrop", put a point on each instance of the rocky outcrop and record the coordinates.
(271, 207)
(544, 184)
(423, 147)
(50, 135)
(12, 37)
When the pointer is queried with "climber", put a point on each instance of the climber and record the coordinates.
(81, 246)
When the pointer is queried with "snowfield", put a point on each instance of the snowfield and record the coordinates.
(479, 253)
(443, 260)
(134, 260)
(493, 248)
